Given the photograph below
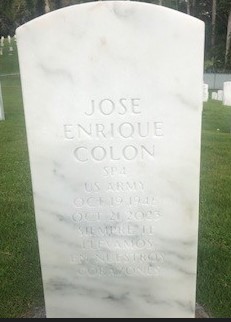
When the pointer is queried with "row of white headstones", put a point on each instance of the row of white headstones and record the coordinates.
(9, 38)
(221, 95)
(2, 44)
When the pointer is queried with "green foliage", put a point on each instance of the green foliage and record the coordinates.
(14, 13)
(39, 7)
(208, 65)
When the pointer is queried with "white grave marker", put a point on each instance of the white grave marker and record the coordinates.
(11, 50)
(205, 92)
(2, 114)
(9, 39)
(220, 95)
(214, 95)
(227, 93)
(2, 41)
(114, 147)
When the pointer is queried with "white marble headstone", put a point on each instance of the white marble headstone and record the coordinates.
(214, 95)
(2, 114)
(11, 49)
(227, 93)
(205, 92)
(1, 51)
(220, 95)
(114, 133)
(2, 41)
(9, 39)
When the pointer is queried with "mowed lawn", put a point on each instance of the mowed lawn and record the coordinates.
(214, 249)
(20, 276)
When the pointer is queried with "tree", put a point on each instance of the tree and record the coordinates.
(228, 39)
(58, 4)
(223, 33)
(47, 6)
(188, 6)
(13, 13)
(214, 13)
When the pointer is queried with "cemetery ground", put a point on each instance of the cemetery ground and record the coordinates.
(20, 276)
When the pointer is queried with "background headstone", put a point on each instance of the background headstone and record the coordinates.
(2, 41)
(2, 114)
(9, 39)
(114, 131)
(220, 95)
(205, 92)
(11, 50)
(214, 95)
(227, 93)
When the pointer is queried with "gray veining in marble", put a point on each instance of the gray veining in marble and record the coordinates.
(113, 125)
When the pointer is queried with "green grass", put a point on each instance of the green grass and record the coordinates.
(9, 63)
(214, 252)
(20, 275)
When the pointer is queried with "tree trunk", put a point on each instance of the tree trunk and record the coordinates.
(193, 8)
(177, 5)
(47, 6)
(188, 7)
(228, 39)
(214, 13)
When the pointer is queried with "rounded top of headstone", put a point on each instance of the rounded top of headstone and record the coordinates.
(119, 9)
